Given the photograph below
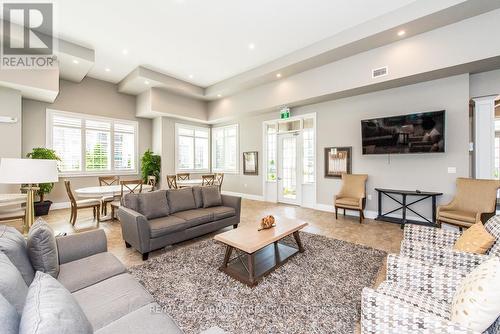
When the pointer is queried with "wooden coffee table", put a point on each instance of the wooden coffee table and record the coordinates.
(258, 252)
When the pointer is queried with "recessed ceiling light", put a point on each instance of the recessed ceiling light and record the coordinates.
(251, 46)
(75, 61)
(278, 75)
(191, 76)
(107, 69)
(146, 82)
(218, 95)
(401, 33)
(125, 51)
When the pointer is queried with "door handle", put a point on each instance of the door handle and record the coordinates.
(279, 178)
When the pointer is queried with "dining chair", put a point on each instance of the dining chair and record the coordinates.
(15, 214)
(126, 187)
(76, 205)
(105, 181)
(183, 176)
(219, 178)
(207, 180)
(172, 181)
(151, 182)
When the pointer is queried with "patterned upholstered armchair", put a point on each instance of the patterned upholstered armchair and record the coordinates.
(435, 245)
(415, 298)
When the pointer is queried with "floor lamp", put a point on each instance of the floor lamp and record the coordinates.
(30, 173)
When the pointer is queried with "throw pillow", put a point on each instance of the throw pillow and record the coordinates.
(475, 240)
(13, 245)
(131, 201)
(211, 196)
(154, 204)
(476, 304)
(180, 199)
(12, 285)
(50, 308)
(9, 319)
(42, 248)
(198, 198)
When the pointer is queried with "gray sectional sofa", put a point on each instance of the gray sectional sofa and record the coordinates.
(160, 218)
(111, 299)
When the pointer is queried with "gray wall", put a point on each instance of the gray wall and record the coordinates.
(91, 96)
(339, 125)
(484, 84)
(10, 133)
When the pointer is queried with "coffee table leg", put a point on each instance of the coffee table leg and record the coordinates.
(229, 250)
(297, 240)
(276, 252)
(251, 269)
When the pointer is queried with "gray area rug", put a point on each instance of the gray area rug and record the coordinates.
(318, 291)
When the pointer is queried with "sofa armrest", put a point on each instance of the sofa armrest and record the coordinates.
(135, 229)
(385, 314)
(81, 245)
(233, 202)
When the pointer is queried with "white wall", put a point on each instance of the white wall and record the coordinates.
(338, 124)
(10, 133)
(485, 83)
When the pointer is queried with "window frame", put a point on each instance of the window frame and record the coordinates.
(176, 144)
(213, 155)
(85, 117)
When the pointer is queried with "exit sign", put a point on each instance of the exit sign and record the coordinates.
(285, 113)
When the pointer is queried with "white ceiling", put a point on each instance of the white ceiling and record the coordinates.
(206, 39)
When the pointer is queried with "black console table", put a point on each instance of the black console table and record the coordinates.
(404, 205)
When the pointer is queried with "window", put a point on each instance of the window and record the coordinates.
(308, 147)
(90, 145)
(191, 148)
(271, 152)
(225, 156)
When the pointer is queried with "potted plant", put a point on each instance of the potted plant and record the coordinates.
(42, 207)
(150, 165)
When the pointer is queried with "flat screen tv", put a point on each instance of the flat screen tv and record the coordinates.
(413, 133)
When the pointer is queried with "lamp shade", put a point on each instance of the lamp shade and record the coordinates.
(28, 171)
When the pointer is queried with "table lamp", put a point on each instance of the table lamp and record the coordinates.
(29, 172)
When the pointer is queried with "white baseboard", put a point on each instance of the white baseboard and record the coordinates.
(330, 208)
(242, 195)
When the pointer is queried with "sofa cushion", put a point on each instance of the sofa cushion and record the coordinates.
(9, 318)
(12, 285)
(131, 201)
(153, 204)
(221, 212)
(147, 319)
(50, 308)
(195, 217)
(180, 199)
(211, 196)
(166, 225)
(90, 270)
(466, 216)
(42, 248)
(12, 243)
(111, 299)
(198, 197)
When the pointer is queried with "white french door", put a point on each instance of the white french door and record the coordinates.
(289, 168)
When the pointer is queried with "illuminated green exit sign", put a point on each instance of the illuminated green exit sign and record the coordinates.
(285, 113)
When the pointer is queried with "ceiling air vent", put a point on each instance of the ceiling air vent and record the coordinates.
(379, 72)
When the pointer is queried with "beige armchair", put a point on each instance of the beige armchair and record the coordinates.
(352, 196)
(474, 201)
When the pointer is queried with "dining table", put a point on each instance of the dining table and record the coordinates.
(192, 183)
(101, 191)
